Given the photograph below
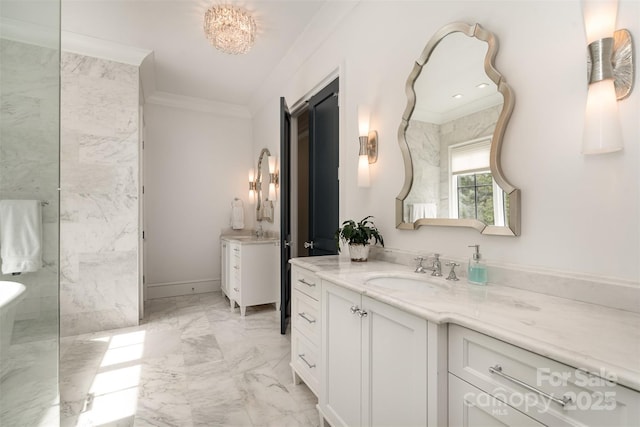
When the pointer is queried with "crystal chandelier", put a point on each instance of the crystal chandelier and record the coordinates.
(230, 29)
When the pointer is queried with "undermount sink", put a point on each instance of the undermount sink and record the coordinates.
(402, 283)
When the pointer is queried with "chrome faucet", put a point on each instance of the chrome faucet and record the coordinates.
(452, 273)
(437, 266)
(420, 268)
(259, 231)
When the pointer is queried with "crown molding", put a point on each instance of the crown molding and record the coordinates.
(104, 49)
(198, 104)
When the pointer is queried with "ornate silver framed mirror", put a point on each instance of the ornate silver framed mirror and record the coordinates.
(451, 134)
(264, 208)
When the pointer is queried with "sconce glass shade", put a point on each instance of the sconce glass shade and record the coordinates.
(272, 191)
(602, 133)
(599, 18)
(363, 171)
(363, 120)
(252, 186)
(272, 164)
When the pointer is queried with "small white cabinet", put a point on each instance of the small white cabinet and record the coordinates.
(250, 274)
(374, 360)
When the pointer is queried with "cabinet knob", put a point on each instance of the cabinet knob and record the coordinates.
(362, 313)
(354, 309)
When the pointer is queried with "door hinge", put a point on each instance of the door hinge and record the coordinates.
(143, 189)
(143, 236)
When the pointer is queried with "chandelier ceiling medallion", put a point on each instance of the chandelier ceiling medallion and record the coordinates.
(230, 29)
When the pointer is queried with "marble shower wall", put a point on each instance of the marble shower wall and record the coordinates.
(29, 159)
(424, 143)
(429, 145)
(99, 197)
(464, 129)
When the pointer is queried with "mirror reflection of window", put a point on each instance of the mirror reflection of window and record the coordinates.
(474, 193)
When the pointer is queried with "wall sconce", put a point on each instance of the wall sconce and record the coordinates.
(273, 178)
(610, 73)
(368, 153)
(252, 186)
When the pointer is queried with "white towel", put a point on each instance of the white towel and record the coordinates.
(423, 210)
(20, 236)
(237, 214)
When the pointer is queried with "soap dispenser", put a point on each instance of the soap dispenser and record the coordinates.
(477, 271)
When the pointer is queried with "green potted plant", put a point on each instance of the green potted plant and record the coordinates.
(358, 236)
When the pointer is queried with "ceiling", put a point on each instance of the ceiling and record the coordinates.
(184, 63)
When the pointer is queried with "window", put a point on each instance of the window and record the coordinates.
(473, 192)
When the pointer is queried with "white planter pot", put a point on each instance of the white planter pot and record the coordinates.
(359, 253)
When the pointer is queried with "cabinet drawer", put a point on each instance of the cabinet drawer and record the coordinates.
(469, 407)
(307, 282)
(549, 391)
(305, 313)
(305, 359)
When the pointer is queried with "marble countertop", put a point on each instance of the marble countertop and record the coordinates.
(249, 239)
(598, 339)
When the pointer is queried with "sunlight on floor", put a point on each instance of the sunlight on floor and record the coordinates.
(113, 395)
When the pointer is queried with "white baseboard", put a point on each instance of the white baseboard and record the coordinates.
(174, 289)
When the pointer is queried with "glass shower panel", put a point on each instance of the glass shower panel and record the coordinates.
(29, 170)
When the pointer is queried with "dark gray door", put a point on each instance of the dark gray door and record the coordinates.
(285, 214)
(323, 170)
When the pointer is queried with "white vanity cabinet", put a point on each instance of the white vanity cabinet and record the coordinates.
(375, 370)
(305, 327)
(493, 380)
(252, 273)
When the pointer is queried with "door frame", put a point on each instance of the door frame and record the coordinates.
(295, 110)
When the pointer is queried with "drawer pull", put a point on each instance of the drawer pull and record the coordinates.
(498, 371)
(307, 318)
(311, 285)
(311, 366)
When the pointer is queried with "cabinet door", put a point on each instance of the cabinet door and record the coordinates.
(394, 371)
(224, 267)
(471, 407)
(340, 359)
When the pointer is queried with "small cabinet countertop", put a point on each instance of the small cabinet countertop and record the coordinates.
(249, 239)
(598, 339)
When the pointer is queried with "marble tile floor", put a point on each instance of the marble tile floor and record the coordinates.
(192, 362)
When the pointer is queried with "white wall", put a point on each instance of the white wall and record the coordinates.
(579, 214)
(195, 164)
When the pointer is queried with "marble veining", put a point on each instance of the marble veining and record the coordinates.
(429, 145)
(190, 363)
(99, 198)
(583, 335)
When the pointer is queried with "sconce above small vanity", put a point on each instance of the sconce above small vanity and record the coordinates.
(264, 200)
